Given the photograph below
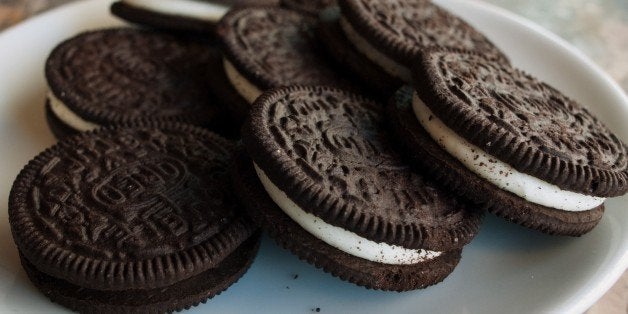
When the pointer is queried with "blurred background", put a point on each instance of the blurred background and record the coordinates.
(599, 28)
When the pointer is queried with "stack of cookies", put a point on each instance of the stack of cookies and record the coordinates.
(374, 136)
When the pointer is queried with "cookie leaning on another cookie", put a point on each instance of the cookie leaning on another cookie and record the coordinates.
(511, 142)
(325, 182)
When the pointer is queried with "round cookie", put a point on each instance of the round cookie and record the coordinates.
(130, 208)
(198, 16)
(323, 156)
(391, 33)
(268, 47)
(515, 144)
(127, 75)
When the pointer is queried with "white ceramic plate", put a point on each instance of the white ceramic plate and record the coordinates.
(506, 269)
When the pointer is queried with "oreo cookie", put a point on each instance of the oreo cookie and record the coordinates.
(269, 47)
(325, 182)
(508, 141)
(133, 218)
(197, 16)
(125, 75)
(388, 35)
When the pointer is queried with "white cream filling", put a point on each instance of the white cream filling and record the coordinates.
(360, 43)
(499, 173)
(342, 239)
(199, 10)
(244, 87)
(67, 116)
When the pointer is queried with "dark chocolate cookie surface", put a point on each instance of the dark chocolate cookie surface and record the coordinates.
(128, 208)
(523, 122)
(328, 147)
(288, 234)
(428, 155)
(402, 28)
(275, 47)
(122, 75)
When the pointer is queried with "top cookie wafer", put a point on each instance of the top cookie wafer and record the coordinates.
(125, 74)
(275, 47)
(329, 151)
(128, 208)
(523, 122)
(401, 28)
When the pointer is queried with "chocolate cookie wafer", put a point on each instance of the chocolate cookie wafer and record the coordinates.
(325, 182)
(268, 47)
(388, 34)
(198, 16)
(112, 216)
(511, 142)
(122, 75)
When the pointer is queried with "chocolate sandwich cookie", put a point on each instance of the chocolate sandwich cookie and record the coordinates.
(198, 16)
(325, 182)
(508, 141)
(268, 47)
(388, 34)
(133, 218)
(126, 75)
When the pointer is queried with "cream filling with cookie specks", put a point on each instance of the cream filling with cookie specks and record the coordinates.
(199, 10)
(342, 239)
(499, 173)
(389, 65)
(244, 87)
(67, 116)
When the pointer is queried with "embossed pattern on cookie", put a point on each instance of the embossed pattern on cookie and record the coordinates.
(403, 28)
(453, 174)
(329, 149)
(126, 208)
(275, 47)
(523, 122)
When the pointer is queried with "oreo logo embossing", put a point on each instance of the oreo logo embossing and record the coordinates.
(134, 184)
